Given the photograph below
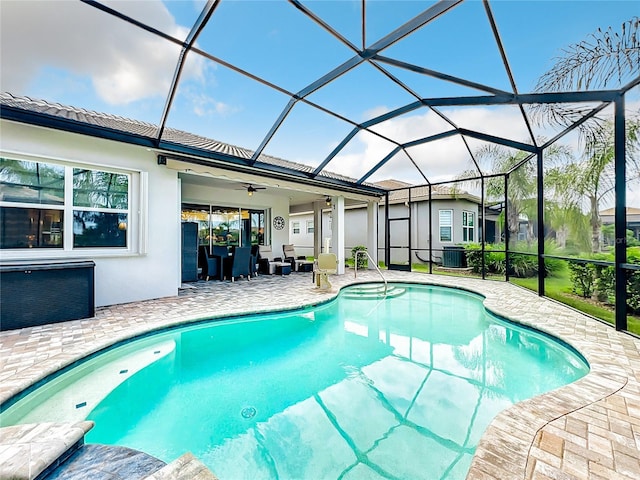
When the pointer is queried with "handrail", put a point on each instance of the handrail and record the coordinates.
(358, 252)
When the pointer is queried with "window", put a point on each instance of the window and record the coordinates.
(295, 227)
(309, 226)
(467, 226)
(45, 205)
(446, 225)
(225, 226)
(100, 208)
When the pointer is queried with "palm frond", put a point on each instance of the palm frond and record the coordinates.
(604, 58)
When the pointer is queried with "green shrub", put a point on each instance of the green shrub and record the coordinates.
(523, 266)
(583, 277)
(633, 292)
(520, 265)
(363, 261)
(493, 261)
(474, 257)
(605, 284)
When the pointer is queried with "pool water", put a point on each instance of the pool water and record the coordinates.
(359, 388)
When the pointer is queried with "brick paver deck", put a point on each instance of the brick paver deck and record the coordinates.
(587, 430)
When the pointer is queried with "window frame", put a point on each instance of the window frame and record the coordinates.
(295, 228)
(468, 228)
(310, 226)
(136, 214)
(449, 226)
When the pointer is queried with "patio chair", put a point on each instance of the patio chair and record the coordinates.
(299, 263)
(239, 265)
(327, 263)
(269, 264)
(254, 260)
(210, 264)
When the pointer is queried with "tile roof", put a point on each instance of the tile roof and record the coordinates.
(150, 131)
(612, 211)
(400, 192)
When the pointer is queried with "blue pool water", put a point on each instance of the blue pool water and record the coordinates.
(358, 388)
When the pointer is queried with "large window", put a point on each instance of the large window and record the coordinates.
(468, 226)
(446, 225)
(226, 225)
(46, 205)
(100, 208)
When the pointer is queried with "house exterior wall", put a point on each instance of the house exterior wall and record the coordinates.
(152, 271)
(303, 241)
(356, 228)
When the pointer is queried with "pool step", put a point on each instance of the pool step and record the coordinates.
(369, 291)
(56, 451)
(106, 462)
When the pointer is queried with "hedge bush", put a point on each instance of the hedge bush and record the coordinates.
(599, 280)
(363, 261)
(520, 265)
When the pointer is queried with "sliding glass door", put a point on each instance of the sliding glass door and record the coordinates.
(218, 225)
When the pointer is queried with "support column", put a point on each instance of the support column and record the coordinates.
(372, 232)
(540, 184)
(620, 214)
(507, 258)
(317, 227)
(337, 231)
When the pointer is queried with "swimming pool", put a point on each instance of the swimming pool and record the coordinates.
(356, 388)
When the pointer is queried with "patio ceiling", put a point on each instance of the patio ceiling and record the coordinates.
(249, 96)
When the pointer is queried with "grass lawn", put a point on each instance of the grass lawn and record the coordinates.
(558, 287)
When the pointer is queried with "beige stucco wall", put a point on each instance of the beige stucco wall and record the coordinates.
(120, 277)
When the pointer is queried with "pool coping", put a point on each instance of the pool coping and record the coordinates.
(588, 428)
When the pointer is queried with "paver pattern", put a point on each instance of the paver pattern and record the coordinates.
(587, 430)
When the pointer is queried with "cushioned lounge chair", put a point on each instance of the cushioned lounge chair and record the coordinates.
(268, 264)
(299, 263)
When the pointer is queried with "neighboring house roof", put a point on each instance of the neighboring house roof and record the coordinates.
(421, 193)
(391, 184)
(149, 131)
(612, 211)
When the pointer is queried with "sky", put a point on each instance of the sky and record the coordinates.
(92, 60)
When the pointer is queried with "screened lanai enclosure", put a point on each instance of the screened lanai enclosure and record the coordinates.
(501, 104)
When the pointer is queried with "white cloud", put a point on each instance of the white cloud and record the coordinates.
(439, 160)
(204, 105)
(445, 159)
(124, 63)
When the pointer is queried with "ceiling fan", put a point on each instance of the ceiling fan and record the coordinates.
(251, 189)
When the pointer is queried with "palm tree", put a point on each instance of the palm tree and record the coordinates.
(563, 206)
(521, 199)
(605, 57)
(593, 178)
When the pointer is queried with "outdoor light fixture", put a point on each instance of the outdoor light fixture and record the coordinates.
(251, 189)
(328, 201)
